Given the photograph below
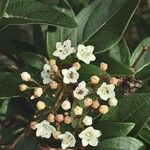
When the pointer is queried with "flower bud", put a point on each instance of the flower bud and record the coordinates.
(56, 134)
(54, 68)
(95, 104)
(32, 97)
(88, 102)
(87, 120)
(103, 109)
(103, 66)
(52, 62)
(67, 120)
(114, 81)
(59, 117)
(51, 118)
(78, 110)
(94, 79)
(25, 76)
(53, 85)
(66, 105)
(38, 92)
(113, 102)
(40, 105)
(23, 87)
(33, 125)
(76, 65)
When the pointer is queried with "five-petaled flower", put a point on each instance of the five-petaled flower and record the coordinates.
(44, 129)
(106, 91)
(90, 136)
(63, 49)
(85, 53)
(80, 91)
(46, 74)
(70, 75)
(68, 140)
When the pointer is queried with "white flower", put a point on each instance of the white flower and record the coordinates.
(85, 53)
(90, 136)
(66, 105)
(70, 75)
(63, 49)
(106, 91)
(81, 91)
(46, 74)
(44, 129)
(87, 120)
(68, 140)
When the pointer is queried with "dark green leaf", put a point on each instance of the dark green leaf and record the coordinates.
(134, 108)
(3, 6)
(9, 86)
(116, 129)
(34, 60)
(111, 24)
(143, 73)
(86, 71)
(121, 143)
(144, 133)
(28, 12)
(121, 52)
(142, 54)
(114, 67)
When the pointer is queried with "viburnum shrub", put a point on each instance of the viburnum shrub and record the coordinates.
(77, 85)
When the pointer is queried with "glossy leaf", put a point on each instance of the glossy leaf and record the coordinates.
(144, 133)
(141, 57)
(34, 60)
(120, 143)
(121, 53)
(116, 129)
(111, 24)
(31, 12)
(134, 108)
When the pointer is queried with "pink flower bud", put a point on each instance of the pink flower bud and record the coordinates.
(88, 102)
(67, 120)
(25, 76)
(51, 118)
(40, 105)
(59, 117)
(95, 79)
(38, 92)
(23, 87)
(103, 66)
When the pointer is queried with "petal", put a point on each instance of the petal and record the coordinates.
(52, 129)
(111, 87)
(56, 53)
(46, 80)
(92, 57)
(58, 44)
(90, 48)
(93, 142)
(67, 43)
(104, 96)
(64, 146)
(111, 94)
(65, 80)
(64, 71)
(81, 47)
(84, 142)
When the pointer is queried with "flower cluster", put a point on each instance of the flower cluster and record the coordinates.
(73, 102)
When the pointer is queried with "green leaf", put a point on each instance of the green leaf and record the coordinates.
(141, 57)
(27, 143)
(121, 52)
(144, 133)
(12, 131)
(9, 86)
(32, 12)
(3, 6)
(114, 67)
(143, 73)
(121, 143)
(111, 24)
(86, 71)
(34, 60)
(134, 108)
(116, 129)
